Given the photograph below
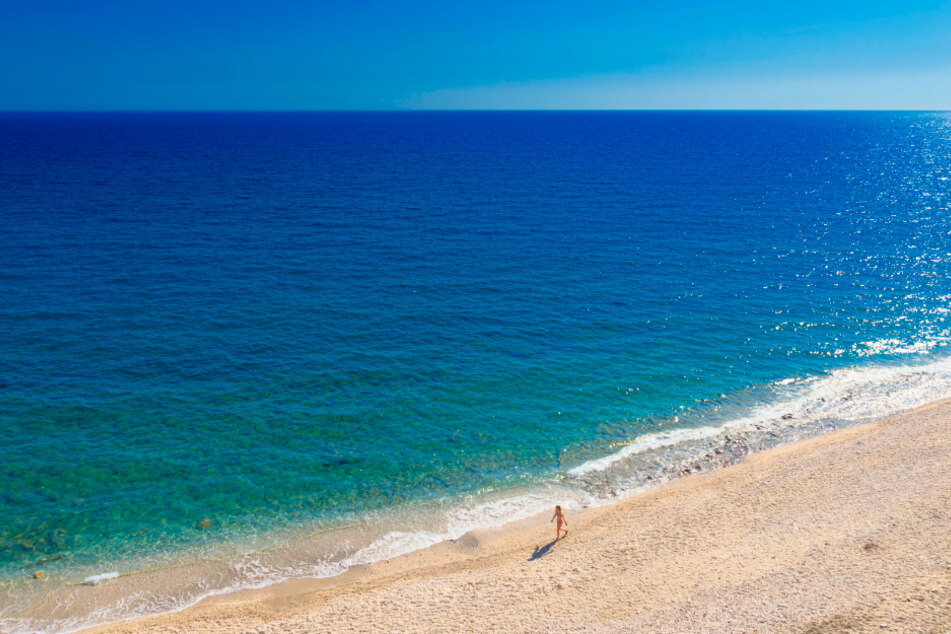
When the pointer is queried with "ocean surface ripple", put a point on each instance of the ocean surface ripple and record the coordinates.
(257, 346)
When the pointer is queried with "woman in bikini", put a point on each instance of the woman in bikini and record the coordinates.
(561, 520)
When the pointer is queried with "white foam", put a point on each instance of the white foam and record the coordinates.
(645, 443)
(95, 580)
(394, 544)
(846, 396)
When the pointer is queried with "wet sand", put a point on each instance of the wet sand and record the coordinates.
(847, 532)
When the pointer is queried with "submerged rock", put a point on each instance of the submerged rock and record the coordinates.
(38, 574)
(43, 560)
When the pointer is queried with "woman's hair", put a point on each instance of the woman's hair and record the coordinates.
(558, 507)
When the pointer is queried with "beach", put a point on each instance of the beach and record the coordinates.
(363, 335)
(847, 531)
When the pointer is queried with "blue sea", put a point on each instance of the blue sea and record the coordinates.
(237, 348)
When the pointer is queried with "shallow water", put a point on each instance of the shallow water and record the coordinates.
(312, 328)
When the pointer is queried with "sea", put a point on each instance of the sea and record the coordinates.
(241, 348)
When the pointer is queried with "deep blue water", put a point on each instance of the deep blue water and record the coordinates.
(299, 320)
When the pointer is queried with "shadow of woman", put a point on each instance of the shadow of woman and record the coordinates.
(541, 551)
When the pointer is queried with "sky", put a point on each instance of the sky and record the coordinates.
(490, 54)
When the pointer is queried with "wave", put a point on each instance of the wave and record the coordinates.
(95, 580)
(838, 398)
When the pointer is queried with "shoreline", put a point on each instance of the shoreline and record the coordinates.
(796, 409)
(657, 560)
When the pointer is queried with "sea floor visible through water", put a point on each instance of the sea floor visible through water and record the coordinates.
(797, 409)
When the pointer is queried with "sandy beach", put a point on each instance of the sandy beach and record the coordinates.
(845, 532)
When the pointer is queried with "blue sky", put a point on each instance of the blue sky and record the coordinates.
(295, 55)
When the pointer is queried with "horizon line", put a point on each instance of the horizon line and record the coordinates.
(436, 110)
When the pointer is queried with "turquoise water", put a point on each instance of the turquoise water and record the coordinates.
(295, 324)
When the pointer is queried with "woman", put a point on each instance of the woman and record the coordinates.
(561, 520)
